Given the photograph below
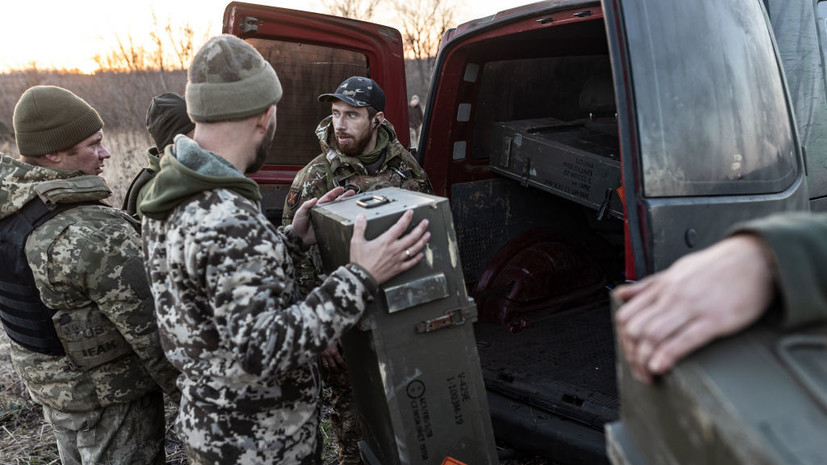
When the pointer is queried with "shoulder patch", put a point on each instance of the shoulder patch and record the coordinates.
(292, 198)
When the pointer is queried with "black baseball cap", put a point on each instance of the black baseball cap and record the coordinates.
(358, 91)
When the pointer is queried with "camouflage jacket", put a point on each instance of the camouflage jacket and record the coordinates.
(332, 168)
(87, 266)
(231, 318)
(137, 188)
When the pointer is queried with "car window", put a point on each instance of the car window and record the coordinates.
(710, 100)
(305, 71)
(551, 88)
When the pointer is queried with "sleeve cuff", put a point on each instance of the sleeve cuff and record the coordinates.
(294, 239)
(799, 250)
(370, 282)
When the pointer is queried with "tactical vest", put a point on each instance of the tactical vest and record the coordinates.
(26, 319)
(84, 335)
(348, 178)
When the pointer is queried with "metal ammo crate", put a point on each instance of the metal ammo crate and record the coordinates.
(415, 408)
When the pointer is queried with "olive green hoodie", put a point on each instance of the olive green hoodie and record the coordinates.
(186, 170)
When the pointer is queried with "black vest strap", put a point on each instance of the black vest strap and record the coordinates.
(24, 316)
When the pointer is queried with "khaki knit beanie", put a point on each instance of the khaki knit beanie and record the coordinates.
(229, 80)
(49, 119)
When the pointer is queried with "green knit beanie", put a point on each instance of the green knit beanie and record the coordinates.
(49, 119)
(229, 80)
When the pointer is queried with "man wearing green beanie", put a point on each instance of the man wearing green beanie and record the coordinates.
(222, 275)
(77, 305)
(166, 117)
(360, 151)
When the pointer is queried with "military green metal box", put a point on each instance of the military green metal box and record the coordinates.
(759, 397)
(414, 407)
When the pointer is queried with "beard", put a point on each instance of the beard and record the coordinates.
(356, 145)
(263, 148)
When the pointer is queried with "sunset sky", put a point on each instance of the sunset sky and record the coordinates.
(61, 34)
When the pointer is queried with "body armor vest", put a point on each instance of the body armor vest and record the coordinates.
(26, 319)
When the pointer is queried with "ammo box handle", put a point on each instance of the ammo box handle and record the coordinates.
(805, 356)
(372, 201)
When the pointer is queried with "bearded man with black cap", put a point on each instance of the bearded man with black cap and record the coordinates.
(166, 117)
(75, 299)
(360, 152)
(230, 315)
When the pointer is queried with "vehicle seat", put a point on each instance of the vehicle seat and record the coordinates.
(597, 97)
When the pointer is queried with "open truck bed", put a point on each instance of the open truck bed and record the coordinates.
(541, 242)
(555, 378)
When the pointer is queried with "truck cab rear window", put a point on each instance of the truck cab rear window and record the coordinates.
(305, 71)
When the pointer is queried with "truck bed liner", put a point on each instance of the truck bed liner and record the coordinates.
(562, 363)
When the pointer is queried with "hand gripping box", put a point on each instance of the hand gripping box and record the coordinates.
(412, 358)
(759, 397)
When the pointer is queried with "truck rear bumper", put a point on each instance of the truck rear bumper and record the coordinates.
(537, 431)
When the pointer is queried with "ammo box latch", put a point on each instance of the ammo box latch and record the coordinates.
(452, 318)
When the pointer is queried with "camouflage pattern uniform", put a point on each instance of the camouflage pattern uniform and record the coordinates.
(395, 167)
(104, 398)
(231, 317)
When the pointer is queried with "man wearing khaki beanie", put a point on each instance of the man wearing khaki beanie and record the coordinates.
(76, 304)
(223, 279)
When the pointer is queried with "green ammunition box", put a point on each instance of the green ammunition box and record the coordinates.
(759, 397)
(414, 407)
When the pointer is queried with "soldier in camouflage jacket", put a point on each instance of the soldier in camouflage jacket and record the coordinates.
(360, 152)
(384, 164)
(222, 275)
(166, 117)
(101, 386)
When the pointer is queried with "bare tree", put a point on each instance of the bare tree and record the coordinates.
(126, 56)
(169, 46)
(424, 22)
(355, 9)
(183, 43)
(159, 55)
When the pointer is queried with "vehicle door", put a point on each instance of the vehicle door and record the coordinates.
(312, 54)
(800, 29)
(707, 130)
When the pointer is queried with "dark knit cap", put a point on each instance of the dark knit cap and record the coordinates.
(167, 117)
(230, 80)
(49, 119)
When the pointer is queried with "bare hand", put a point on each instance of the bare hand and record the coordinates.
(302, 226)
(389, 254)
(705, 295)
(332, 360)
